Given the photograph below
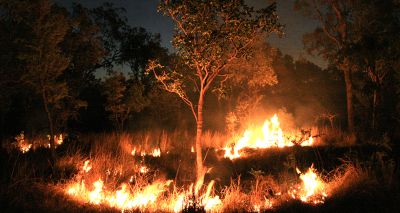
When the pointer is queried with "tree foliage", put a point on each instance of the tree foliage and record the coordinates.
(376, 50)
(332, 39)
(44, 60)
(209, 35)
(356, 36)
(123, 97)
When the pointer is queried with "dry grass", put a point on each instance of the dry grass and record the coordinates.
(334, 137)
(111, 160)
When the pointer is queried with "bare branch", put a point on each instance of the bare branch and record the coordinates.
(325, 25)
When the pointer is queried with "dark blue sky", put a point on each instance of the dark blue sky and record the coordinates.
(144, 13)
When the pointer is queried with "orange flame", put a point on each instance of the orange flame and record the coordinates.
(122, 199)
(269, 135)
(312, 189)
(155, 153)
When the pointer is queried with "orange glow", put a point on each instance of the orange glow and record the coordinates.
(59, 140)
(210, 203)
(157, 196)
(24, 148)
(312, 190)
(122, 199)
(155, 153)
(269, 135)
(144, 169)
(144, 198)
(86, 166)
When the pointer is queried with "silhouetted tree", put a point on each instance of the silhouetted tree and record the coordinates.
(332, 39)
(376, 49)
(209, 36)
(122, 98)
(44, 60)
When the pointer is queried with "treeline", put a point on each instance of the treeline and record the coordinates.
(83, 69)
(50, 64)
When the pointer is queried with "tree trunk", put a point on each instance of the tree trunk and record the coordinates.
(349, 99)
(51, 128)
(199, 130)
(375, 104)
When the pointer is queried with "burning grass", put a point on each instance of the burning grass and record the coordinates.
(100, 172)
(269, 135)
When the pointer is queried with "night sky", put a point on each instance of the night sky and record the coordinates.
(144, 13)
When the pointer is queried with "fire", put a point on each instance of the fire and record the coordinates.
(155, 153)
(194, 195)
(143, 169)
(22, 144)
(312, 189)
(25, 147)
(59, 140)
(130, 197)
(156, 196)
(269, 135)
(86, 166)
(122, 199)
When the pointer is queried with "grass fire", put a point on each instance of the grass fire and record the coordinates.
(199, 106)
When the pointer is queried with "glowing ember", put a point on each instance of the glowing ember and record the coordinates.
(269, 135)
(312, 189)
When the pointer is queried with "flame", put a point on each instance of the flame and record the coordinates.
(144, 169)
(22, 144)
(122, 199)
(59, 140)
(155, 153)
(133, 152)
(24, 148)
(179, 203)
(187, 198)
(269, 135)
(86, 166)
(96, 195)
(151, 197)
(312, 189)
(209, 202)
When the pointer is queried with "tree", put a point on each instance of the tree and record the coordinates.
(122, 98)
(245, 88)
(332, 39)
(44, 61)
(209, 35)
(376, 48)
(83, 45)
(123, 44)
(9, 66)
